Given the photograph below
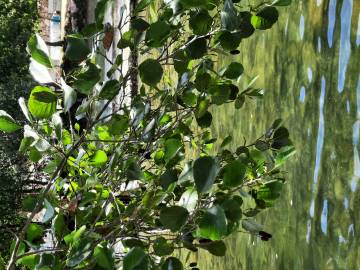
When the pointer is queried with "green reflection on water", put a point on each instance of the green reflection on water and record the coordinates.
(300, 74)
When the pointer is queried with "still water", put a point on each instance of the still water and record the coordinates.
(309, 67)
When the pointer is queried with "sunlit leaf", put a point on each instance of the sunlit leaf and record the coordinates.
(7, 123)
(212, 225)
(42, 102)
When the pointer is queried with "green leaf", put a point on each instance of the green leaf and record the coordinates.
(151, 72)
(172, 148)
(49, 213)
(200, 22)
(42, 102)
(269, 192)
(246, 29)
(87, 79)
(172, 263)
(212, 225)
(233, 71)
(7, 123)
(77, 48)
(216, 248)
(126, 40)
(228, 41)
(110, 89)
(234, 173)
(226, 141)
(99, 158)
(118, 124)
(197, 48)
(229, 18)
(162, 247)
(265, 18)
(239, 102)
(79, 251)
(104, 257)
(34, 232)
(59, 226)
(157, 33)
(205, 120)
(232, 208)
(283, 155)
(69, 96)
(29, 261)
(29, 202)
(136, 259)
(139, 24)
(205, 171)
(173, 217)
(167, 178)
(281, 3)
(181, 62)
(38, 50)
(189, 199)
(2, 263)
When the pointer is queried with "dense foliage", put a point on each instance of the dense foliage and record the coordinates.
(17, 21)
(132, 181)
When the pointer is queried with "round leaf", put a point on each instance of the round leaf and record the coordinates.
(173, 217)
(200, 22)
(233, 71)
(172, 263)
(42, 102)
(265, 18)
(157, 34)
(234, 173)
(99, 158)
(151, 72)
(213, 224)
(197, 48)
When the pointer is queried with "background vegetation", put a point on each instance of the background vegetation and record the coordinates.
(17, 22)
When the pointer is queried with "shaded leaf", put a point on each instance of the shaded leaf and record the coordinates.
(205, 171)
(151, 72)
(212, 225)
(173, 217)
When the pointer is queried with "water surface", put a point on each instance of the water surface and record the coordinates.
(309, 66)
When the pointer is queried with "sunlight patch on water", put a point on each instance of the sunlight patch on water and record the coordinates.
(351, 230)
(308, 232)
(356, 175)
(302, 94)
(286, 27)
(331, 25)
(312, 208)
(345, 50)
(310, 74)
(321, 132)
(324, 215)
(302, 27)
(318, 2)
(346, 203)
(348, 106)
(319, 44)
(341, 239)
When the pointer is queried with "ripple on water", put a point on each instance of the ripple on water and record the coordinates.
(331, 20)
(345, 50)
(310, 74)
(324, 215)
(302, 27)
(302, 94)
